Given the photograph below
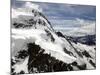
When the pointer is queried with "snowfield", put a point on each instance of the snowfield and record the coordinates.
(34, 35)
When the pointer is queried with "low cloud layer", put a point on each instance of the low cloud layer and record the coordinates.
(77, 27)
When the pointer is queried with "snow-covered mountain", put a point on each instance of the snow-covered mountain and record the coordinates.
(36, 47)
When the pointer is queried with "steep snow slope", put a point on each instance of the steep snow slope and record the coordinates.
(35, 45)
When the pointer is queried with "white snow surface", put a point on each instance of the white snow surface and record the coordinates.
(21, 66)
(55, 49)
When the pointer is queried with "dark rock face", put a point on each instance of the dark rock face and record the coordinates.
(85, 53)
(22, 54)
(60, 34)
(68, 52)
(50, 35)
(92, 63)
(40, 62)
(43, 62)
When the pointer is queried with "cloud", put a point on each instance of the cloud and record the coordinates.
(31, 5)
(25, 9)
(69, 10)
(78, 27)
(85, 30)
(25, 4)
(65, 10)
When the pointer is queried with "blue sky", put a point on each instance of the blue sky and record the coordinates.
(67, 17)
(64, 11)
(68, 11)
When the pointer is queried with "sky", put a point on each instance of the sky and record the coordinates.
(68, 18)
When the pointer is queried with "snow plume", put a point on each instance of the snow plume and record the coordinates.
(31, 5)
(25, 9)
